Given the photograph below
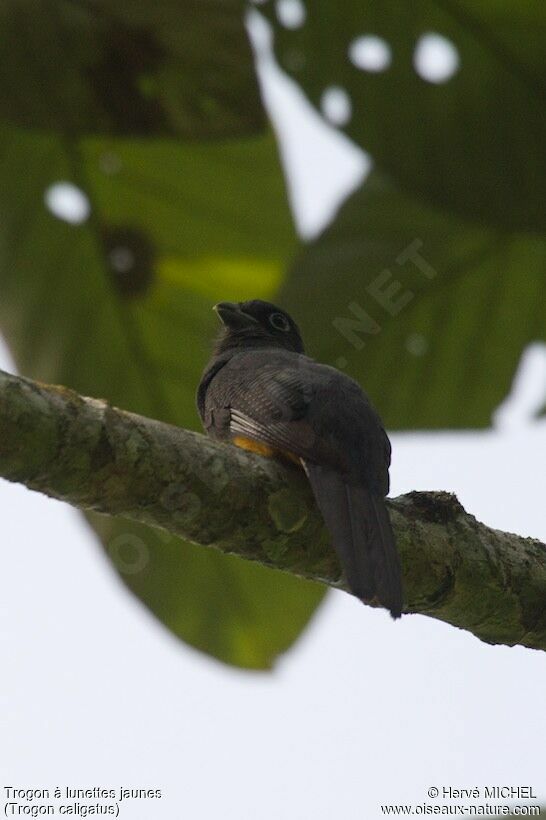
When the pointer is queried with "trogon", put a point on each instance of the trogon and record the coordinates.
(261, 392)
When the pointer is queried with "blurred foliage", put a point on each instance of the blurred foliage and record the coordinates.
(461, 174)
(430, 313)
(473, 144)
(161, 68)
(119, 305)
(152, 110)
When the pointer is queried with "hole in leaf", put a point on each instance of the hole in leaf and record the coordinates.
(336, 105)
(130, 257)
(67, 202)
(370, 53)
(435, 59)
(416, 344)
(291, 13)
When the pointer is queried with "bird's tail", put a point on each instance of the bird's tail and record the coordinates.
(359, 523)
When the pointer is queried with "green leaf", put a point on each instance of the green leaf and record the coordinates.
(464, 186)
(428, 312)
(119, 306)
(473, 144)
(236, 611)
(168, 67)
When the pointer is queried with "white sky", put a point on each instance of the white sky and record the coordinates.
(361, 712)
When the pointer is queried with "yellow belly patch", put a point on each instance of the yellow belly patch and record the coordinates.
(264, 449)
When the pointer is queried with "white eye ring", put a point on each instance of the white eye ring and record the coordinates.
(279, 322)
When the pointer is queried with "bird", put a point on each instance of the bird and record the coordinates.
(261, 392)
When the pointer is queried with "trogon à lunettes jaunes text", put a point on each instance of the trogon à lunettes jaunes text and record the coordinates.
(261, 392)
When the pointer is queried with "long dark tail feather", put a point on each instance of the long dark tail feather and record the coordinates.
(359, 523)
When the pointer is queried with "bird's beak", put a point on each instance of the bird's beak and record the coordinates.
(232, 316)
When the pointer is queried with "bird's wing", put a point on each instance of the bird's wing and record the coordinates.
(265, 396)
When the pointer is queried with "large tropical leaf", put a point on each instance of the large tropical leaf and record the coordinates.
(115, 300)
(429, 312)
(169, 67)
(459, 143)
(473, 142)
(119, 306)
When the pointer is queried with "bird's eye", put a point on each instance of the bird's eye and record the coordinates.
(279, 322)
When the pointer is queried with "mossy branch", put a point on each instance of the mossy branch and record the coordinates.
(96, 457)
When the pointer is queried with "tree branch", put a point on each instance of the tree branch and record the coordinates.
(97, 457)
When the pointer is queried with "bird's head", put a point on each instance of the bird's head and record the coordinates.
(256, 324)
